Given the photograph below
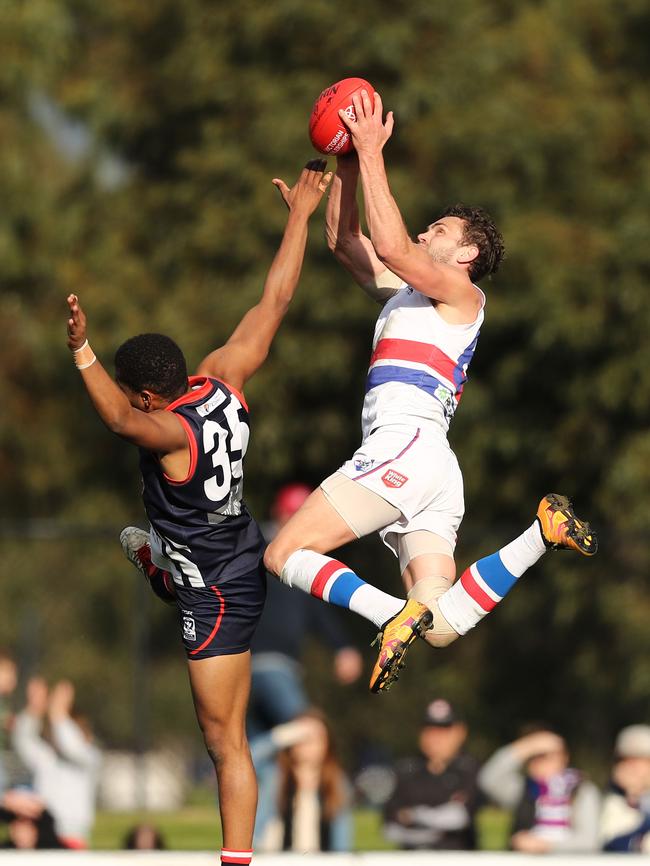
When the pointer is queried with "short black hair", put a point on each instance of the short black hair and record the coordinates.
(480, 230)
(152, 362)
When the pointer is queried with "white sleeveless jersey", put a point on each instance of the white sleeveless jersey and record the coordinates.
(419, 363)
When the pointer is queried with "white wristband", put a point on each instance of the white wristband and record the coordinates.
(81, 348)
(89, 364)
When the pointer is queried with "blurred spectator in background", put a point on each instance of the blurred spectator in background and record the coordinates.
(625, 818)
(65, 763)
(314, 794)
(277, 691)
(144, 837)
(436, 796)
(29, 824)
(555, 808)
(8, 680)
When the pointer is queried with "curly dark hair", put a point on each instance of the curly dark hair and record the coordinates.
(152, 362)
(480, 230)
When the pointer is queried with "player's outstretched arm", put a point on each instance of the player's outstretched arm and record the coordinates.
(388, 232)
(345, 238)
(247, 348)
(154, 430)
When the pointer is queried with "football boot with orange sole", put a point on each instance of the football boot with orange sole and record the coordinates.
(396, 636)
(562, 529)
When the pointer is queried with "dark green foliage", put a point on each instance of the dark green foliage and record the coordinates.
(166, 220)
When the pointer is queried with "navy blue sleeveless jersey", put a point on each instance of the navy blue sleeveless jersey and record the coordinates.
(201, 529)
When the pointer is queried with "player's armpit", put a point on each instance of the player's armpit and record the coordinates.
(382, 287)
(158, 431)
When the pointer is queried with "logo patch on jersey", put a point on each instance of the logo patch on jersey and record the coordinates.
(362, 464)
(391, 478)
(189, 628)
(446, 398)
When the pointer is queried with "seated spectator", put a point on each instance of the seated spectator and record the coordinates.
(314, 794)
(436, 795)
(625, 818)
(555, 808)
(64, 765)
(144, 837)
(8, 680)
(29, 825)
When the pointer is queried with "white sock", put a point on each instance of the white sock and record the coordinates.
(486, 582)
(334, 582)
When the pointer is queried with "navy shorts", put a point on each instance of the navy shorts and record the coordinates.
(221, 619)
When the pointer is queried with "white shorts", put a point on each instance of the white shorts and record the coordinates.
(415, 470)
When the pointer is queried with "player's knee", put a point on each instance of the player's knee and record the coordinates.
(223, 739)
(276, 555)
(428, 591)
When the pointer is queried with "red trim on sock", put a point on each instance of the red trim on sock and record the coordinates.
(324, 575)
(240, 857)
(472, 588)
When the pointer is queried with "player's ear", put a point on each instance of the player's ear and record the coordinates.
(467, 254)
(147, 400)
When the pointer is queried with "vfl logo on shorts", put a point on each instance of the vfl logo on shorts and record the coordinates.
(391, 478)
(362, 464)
(189, 628)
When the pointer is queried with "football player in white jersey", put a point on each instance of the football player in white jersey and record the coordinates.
(404, 480)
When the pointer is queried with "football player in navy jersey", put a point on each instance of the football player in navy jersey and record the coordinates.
(192, 433)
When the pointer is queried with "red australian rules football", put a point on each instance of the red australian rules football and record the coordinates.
(327, 131)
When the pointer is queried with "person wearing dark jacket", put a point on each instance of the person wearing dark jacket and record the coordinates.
(625, 817)
(436, 796)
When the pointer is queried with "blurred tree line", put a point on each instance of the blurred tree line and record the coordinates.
(138, 144)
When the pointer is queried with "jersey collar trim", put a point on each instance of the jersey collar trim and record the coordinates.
(203, 389)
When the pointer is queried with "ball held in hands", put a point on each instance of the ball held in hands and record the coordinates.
(327, 131)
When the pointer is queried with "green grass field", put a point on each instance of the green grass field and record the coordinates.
(196, 828)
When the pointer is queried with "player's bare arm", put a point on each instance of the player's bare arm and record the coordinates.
(342, 228)
(146, 427)
(411, 261)
(247, 348)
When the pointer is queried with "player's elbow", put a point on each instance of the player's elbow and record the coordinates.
(391, 254)
(337, 242)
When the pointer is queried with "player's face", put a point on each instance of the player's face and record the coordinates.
(443, 239)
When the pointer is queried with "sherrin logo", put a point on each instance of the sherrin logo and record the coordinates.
(338, 141)
(391, 478)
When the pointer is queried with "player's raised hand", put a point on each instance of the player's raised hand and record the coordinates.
(308, 190)
(76, 324)
(369, 131)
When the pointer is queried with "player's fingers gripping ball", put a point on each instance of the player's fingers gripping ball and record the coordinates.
(327, 131)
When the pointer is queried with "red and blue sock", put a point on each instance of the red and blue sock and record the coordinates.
(486, 582)
(332, 581)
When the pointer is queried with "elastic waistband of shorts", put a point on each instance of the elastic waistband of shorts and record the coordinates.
(426, 428)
